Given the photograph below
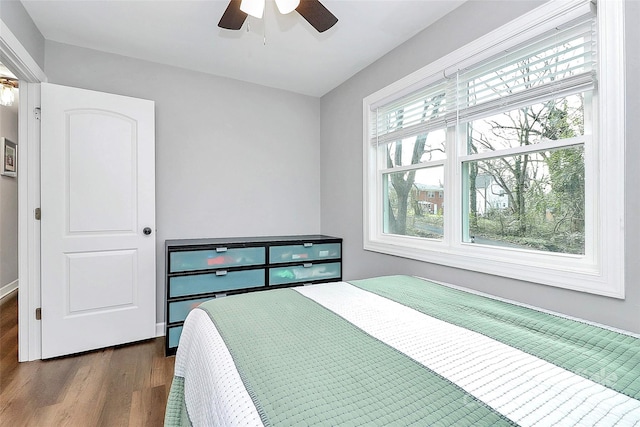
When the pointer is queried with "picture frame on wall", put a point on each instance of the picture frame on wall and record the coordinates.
(9, 158)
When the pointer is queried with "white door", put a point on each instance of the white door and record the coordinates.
(98, 204)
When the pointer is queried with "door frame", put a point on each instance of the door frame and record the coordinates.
(14, 55)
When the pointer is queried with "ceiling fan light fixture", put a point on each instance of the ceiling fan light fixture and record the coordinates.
(287, 6)
(313, 11)
(254, 8)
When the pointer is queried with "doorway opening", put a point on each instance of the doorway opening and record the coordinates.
(9, 111)
(9, 99)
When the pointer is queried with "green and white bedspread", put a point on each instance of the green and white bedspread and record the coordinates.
(397, 351)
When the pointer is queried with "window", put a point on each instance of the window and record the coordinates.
(521, 131)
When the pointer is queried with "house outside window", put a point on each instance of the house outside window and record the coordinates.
(522, 138)
(488, 195)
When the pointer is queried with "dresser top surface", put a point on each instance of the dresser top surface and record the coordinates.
(245, 240)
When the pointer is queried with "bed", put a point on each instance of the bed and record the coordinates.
(398, 350)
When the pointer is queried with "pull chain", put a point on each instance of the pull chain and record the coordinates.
(264, 29)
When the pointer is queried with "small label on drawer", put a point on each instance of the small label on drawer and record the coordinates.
(219, 260)
(299, 256)
(323, 253)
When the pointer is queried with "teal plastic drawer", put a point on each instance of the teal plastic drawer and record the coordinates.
(173, 336)
(220, 281)
(304, 273)
(221, 257)
(303, 253)
(178, 310)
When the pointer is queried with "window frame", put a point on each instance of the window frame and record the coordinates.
(601, 270)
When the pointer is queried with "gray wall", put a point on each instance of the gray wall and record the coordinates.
(232, 158)
(341, 167)
(211, 182)
(9, 204)
(14, 15)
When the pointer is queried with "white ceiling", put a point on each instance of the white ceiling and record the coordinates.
(281, 51)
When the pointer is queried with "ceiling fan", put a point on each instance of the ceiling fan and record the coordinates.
(312, 10)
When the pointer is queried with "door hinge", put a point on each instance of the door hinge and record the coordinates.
(38, 313)
(36, 113)
(38, 214)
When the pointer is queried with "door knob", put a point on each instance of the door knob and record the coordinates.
(146, 231)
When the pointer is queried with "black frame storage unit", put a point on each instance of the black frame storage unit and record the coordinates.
(200, 269)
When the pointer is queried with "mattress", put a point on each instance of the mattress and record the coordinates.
(398, 350)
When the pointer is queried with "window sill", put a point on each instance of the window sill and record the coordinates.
(562, 271)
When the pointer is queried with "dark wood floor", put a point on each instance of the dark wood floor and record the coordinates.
(121, 386)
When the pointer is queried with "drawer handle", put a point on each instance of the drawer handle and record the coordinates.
(223, 249)
(307, 265)
(221, 273)
(307, 245)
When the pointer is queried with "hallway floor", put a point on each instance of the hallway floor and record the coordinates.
(119, 386)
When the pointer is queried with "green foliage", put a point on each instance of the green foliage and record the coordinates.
(545, 189)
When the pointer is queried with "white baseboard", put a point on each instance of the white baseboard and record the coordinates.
(160, 329)
(8, 288)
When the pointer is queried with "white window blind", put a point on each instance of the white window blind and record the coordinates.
(414, 114)
(559, 63)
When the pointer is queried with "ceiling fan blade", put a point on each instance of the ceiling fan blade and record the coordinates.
(233, 17)
(316, 14)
